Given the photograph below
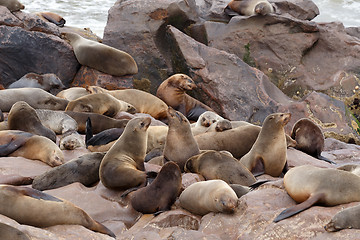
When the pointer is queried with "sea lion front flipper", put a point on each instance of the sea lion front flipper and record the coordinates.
(125, 193)
(291, 211)
(325, 159)
(259, 167)
(88, 131)
(37, 194)
(258, 184)
(12, 146)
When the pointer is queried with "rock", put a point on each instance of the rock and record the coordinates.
(87, 76)
(212, 9)
(8, 19)
(300, 9)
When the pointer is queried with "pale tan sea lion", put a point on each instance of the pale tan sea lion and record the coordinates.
(173, 92)
(309, 185)
(35, 97)
(251, 7)
(35, 208)
(268, 154)
(217, 165)
(205, 120)
(209, 196)
(144, 102)
(161, 193)
(72, 93)
(101, 57)
(123, 165)
(345, 219)
(101, 103)
(12, 5)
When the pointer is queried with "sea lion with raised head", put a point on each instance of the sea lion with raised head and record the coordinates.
(268, 154)
(209, 196)
(173, 92)
(309, 185)
(123, 165)
(35, 208)
(101, 57)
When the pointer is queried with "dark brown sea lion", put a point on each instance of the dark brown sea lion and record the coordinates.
(35, 208)
(161, 193)
(23, 117)
(173, 92)
(309, 185)
(123, 165)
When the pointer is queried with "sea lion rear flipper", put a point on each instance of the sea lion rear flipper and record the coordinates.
(98, 227)
(193, 114)
(325, 159)
(38, 194)
(12, 146)
(88, 131)
(291, 211)
(48, 17)
(125, 193)
(258, 184)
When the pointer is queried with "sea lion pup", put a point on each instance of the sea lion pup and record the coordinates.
(35, 97)
(101, 57)
(205, 120)
(35, 208)
(345, 219)
(8, 232)
(101, 103)
(84, 169)
(161, 193)
(12, 5)
(49, 82)
(309, 185)
(99, 122)
(23, 117)
(209, 196)
(72, 93)
(217, 165)
(52, 17)
(33, 147)
(123, 165)
(250, 7)
(144, 102)
(309, 138)
(172, 92)
(180, 144)
(268, 154)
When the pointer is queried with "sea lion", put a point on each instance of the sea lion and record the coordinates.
(268, 154)
(205, 120)
(58, 121)
(345, 219)
(12, 5)
(72, 93)
(8, 232)
(250, 7)
(84, 169)
(98, 122)
(217, 165)
(180, 144)
(101, 103)
(309, 138)
(161, 193)
(49, 82)
(144, 102)
(101, 57)
(35, 97)
(209, 196)
(52, 17)
(123, 165)
(353, 168)
(23, 117)
(31, 147)
(309, 185)
(71, 140)
(35, 208)
(172, 92)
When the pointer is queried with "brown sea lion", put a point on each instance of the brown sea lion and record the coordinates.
(309, 138)
(52, 17)
(12, 5)
(268, 154)
(101, 103)
(309, 185)
(35, 97)
(35, 208)
(123, 165)
(143, 102)
(101, 57)
(8, 232)
(72, 93)
(23, 117)
(180, 144)
(161, 193)
(250, 7)
(49, 82)
(217, 165)
(209, 196)
(345, 219)
(173, 92)
(27, 145)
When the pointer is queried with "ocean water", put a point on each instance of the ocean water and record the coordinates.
(93, 13)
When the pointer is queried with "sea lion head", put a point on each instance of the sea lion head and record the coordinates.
(176, 117)
(277, 119)
(139, 124)
(182, 81)
(56, 158)
(263, 8)
(223, 125)
(226, 203)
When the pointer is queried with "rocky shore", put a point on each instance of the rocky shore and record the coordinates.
(244, 67)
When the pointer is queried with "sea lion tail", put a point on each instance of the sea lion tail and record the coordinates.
(88, 131)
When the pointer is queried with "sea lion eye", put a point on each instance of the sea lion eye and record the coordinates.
(214, 121)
